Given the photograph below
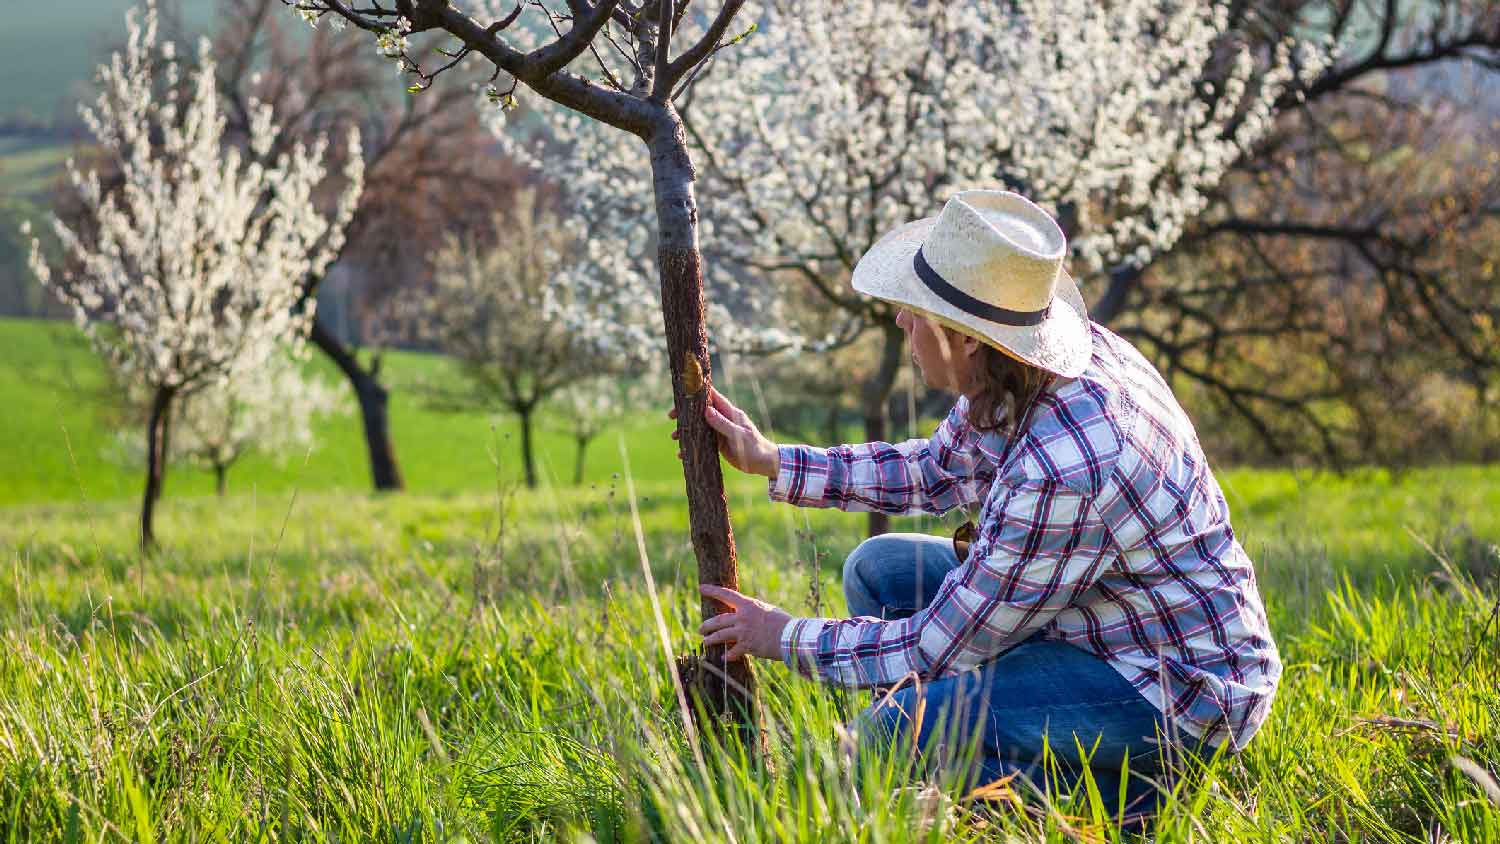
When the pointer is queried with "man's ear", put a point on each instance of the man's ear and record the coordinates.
(968, 344)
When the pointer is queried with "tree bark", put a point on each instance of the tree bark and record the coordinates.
(527, 459)
(373, 398)
(727, 691)
(1122, 282)
(220, 471)
(877, 395)
(156, 461)
(583, 444)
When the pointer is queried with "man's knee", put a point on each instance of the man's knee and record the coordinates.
(857, 564)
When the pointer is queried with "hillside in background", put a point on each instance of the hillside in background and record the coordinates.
(51, 50)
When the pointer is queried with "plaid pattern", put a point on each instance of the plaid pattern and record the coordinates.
(1103, 528)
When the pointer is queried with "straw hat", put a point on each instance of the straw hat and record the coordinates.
(989, 265)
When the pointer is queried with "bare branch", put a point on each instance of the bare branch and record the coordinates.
(705, 46)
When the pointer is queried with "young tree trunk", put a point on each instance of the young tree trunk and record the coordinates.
(156, 461)
(877, 396)
(727, 690)
(373, 398)
(527, 460)
(833, 431)
(583, 444)
(220, 471)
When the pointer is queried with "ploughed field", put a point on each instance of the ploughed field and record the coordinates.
(473, 660)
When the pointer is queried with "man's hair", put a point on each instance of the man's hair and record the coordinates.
(1007, 387)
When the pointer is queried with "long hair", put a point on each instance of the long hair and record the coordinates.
(1007, 387)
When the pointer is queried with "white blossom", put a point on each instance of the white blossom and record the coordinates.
(521, 295)
(189, 270)
(833, 122)
(270, 410)
(512, 304)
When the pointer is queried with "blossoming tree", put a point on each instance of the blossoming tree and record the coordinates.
(504, 304)
(269, 409)
(186, 273)
(837, 121)
(428, 163)
(612, 61)
(593, 404)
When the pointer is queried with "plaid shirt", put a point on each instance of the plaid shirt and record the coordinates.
(1103, 527)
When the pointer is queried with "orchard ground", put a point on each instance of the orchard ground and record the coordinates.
(474, 660)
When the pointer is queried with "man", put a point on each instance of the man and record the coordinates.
(1104, 606)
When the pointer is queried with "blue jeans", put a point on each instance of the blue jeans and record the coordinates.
(995, 721)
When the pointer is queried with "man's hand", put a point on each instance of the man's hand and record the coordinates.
(753, 627)
(740, 441)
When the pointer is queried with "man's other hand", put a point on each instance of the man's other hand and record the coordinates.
(753, 627)
(741, 443)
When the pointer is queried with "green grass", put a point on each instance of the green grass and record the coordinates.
(268, 675)
(59, 440)
(474, 661)
(30, 169)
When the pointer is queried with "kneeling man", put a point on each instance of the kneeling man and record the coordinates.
(1103, 608)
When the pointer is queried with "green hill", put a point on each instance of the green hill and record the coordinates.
(51, 50)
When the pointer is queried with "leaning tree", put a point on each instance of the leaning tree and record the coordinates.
(612, 61)
(185, 271)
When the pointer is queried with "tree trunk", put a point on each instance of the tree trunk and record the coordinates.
(583, 444)
(156, 461)
(1122, 282)
(877, 395)
(220, 471)
(833, 431)
(373, 398)
(527, 460)
(727, 691)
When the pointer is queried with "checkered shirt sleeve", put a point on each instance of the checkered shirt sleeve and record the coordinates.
(920, 475)
(1039, 550)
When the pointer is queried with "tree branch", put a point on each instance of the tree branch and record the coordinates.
(706, 45)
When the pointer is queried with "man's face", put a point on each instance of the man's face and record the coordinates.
(937, 352)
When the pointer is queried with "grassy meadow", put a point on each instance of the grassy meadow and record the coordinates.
(471, 660)
(61, 441)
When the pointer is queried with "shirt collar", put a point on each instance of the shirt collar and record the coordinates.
(991, 444)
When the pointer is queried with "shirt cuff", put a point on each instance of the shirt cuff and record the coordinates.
(801, 476)
(799, 645)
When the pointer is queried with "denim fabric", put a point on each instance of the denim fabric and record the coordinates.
(985, 724)
(894, 575)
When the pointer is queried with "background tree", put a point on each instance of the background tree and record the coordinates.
(430, 166)
(1336, 300)
(1348, 320)
(187, 274)
(270, 409)
(591, 405)
(499, 305)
